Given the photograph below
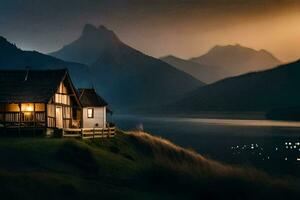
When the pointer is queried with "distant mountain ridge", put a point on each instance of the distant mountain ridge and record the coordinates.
(11, 57)
(208, 74)
(238, 59)
(126, 77)
(263, 91)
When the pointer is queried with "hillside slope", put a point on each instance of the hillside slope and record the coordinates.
(11, 57)
(259, 91)
(238, 59)
(129, 166)
(205, 73)
(126, 77)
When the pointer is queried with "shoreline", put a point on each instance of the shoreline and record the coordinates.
(204, 115)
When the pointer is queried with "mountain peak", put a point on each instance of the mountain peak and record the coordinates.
(233, 47)
(238, 59)
(103, 28)
(99, 33)
(90, 45)
(89, 28)
(170, 56)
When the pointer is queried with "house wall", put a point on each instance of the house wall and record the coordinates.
(99, 118)
(61, 102)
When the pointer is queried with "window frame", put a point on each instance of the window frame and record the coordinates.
(87, 113)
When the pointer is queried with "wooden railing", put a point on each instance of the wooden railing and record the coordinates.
(16, 119)
(89, 133)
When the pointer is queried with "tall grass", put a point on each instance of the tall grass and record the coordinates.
(185, 171)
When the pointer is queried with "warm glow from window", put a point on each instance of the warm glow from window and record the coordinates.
(90, 113)
(27, 107)
(62, 98)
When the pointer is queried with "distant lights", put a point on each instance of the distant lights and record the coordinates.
(268, 153)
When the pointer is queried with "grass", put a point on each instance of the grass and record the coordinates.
(130, 166)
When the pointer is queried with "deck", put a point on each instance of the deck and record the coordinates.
(89, 133)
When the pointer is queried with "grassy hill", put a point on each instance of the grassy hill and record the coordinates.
(129, 166)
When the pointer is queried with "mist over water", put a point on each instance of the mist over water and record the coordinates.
(272, 146)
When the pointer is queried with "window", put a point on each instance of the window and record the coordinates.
(62, 98)
(90, 112)
(67, 112)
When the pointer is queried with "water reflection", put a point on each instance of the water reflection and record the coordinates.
(221, 122)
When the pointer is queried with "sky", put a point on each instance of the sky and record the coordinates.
(185, 28)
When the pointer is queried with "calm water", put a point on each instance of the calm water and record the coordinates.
(272, 146)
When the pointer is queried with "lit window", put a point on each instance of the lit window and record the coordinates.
(90, 113)
(28, 107)
(62, 99)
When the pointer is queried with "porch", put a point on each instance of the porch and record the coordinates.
(22, 119)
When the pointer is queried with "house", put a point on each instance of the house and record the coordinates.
(47, 100)
(93, 109)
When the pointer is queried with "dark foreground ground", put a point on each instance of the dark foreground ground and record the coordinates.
(129, 166)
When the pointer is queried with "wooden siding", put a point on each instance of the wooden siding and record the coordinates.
(98, 118)
(61, 100)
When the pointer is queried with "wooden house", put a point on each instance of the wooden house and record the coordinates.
(39, 99)
(93, 109)
(47, 100)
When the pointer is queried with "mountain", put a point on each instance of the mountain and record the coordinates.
(126, 77)
(276, 88)
(11, 57)
(91, 44)
(208, 74)
(237, 59)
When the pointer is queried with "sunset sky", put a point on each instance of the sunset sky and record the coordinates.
(183, 28)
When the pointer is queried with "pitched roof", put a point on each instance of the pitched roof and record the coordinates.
(18, 86)
(89, 98)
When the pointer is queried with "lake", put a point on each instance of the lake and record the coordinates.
(272, 146)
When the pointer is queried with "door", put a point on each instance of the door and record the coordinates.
(59, 117)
